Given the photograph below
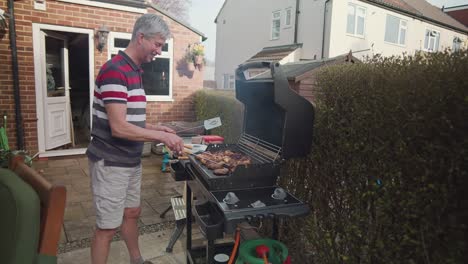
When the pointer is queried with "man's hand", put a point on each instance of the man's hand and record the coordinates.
(173, 142)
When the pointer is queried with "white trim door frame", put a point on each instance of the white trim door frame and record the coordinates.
(56, 102)
(41, 84)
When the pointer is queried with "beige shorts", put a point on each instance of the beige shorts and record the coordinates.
(114, 189)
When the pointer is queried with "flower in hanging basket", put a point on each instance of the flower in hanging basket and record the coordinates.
(198, 49)
(197, 53)
(194, 57)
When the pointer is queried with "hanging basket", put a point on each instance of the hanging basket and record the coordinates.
(198, 59)
(190, 66)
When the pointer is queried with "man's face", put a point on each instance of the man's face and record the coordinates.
(152, 46)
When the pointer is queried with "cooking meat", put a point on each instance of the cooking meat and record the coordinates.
(215, 165)
(224, 161)
(222, 171)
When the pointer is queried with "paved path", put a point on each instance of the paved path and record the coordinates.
(157, 189)
(152, 247)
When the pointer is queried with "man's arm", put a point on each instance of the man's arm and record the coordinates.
(116, 114)
(160, 128)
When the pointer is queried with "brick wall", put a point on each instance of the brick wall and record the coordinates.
(71, 15)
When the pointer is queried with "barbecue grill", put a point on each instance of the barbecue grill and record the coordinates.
(277, 125)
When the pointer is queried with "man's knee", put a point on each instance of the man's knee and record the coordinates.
(106, 234)
(132, 212)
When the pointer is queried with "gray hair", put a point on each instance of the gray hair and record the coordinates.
(151, 25)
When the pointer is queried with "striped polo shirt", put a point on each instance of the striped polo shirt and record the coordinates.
(119, 82)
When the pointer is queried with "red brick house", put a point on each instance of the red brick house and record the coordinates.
(59, 55)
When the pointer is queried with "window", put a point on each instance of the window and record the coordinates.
(288, 15)
(275, 25)
(228, 81)
(356, 19)
(157, 74)
(431, 41)
(395, 30)
(456, 44)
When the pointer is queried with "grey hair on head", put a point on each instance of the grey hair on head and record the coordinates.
(151, 25)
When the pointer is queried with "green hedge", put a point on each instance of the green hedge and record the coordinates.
(387, 175)
(211, 103)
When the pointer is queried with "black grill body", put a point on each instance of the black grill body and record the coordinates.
(274, 112)
(255, 175)
(278, 125)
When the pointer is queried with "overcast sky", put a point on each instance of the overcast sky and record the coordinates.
(448, 3)
(202, 16)
(203, 13)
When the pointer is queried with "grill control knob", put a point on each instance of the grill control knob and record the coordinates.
(271, 215)
(248, 218)
(260, 217)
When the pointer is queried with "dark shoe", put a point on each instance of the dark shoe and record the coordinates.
(147, 262)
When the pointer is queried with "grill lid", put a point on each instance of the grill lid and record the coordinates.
(273, 112)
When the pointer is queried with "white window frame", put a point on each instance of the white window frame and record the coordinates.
(232, 83)
(434, 35)
(40, 5)
(273, 19)
(169, 54)
(228, 81)
(400, 28)
(288, 22)
(456, 43)
(356, 16)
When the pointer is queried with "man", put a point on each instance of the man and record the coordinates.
(119, 130)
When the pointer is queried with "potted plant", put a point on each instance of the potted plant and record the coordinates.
(194, 58)
(189, 62)
(198, 51)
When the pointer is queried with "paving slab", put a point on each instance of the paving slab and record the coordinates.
(152, 246)
(156, 190)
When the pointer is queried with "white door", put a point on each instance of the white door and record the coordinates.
(57, 122)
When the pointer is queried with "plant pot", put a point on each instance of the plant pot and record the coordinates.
(190, 66)
(198, 59)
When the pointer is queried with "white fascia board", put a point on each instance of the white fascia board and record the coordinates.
(106, 5)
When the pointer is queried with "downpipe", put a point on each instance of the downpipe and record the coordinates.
(16, 88)
(324, 27)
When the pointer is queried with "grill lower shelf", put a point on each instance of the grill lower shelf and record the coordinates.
(216, 216)
(249, 196)
(243, 210)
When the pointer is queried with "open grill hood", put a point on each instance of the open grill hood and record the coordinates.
(273, 112)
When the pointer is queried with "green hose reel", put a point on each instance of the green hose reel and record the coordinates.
(278, 253)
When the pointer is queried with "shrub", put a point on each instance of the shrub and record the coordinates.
(388, 169)
(209, 104)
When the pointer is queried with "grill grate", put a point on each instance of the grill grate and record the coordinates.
(258, 149)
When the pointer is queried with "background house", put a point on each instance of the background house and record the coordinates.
(460, 13)
(60, 46)
(301, 75)
(329, 28)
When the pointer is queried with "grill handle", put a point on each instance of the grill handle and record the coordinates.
(253, 65)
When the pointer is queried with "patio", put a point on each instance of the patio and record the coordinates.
(79, 220)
